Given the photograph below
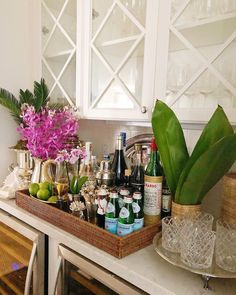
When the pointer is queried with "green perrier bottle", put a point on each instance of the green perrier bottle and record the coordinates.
(138, 211)
(126, 218)
(112, 213)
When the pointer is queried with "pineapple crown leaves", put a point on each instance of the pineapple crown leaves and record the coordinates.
(38, 99)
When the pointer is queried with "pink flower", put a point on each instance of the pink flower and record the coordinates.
(48, 131)
(71, 156)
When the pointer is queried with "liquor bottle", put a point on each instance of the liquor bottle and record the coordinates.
(102, 204)
(126, 218)
(112, 213)
(127, 181)
(137, 176)
(124, 142)
(153, 187)
(118, 163)
(166, 200)
(138, 211)
(95, 167)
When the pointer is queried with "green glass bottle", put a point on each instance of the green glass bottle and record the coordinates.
(153, 187)
(137, 176)
(112, 213)
(138, 210)
(126, 218)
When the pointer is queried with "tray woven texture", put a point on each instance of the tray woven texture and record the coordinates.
(100, 238)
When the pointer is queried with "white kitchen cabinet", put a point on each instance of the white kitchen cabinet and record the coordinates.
(201, 66)
(113, 58)
(118, 53)
(59, 47)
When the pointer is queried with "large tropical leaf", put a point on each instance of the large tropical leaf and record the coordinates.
(217, 128)
(9, 101)
(208, 169)
(171, 143)
(40, 94)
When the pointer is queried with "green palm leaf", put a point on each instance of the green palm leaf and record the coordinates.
(26, 97)
(9, 101)
(56, 106)
(40, 94)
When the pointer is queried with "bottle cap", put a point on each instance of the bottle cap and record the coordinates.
(102, 192)
(137, 195)
(138, 146)
(153, 145)
(123, 136)
(127, 172)
(128, 199)
(113, 195)
(124, 192)
(106, 157)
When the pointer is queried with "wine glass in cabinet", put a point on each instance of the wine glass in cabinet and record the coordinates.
(119, 58)
(202, 39)
(59, 43)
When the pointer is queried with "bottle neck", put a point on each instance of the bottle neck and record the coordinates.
(153, 156)
(119, 145)
(138, 158)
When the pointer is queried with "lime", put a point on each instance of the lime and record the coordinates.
(52, 199)
(43, 194)
(33, 188)
(51, 188)
(44, 185)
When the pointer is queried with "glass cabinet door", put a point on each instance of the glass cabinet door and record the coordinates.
(201, 64)
(21, 258)
(78, 275)
(120, 56)
(59, 22)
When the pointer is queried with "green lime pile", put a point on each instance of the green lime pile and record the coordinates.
(43, 191)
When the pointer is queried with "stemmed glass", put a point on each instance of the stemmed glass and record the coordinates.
(61, 182)
(208, 84)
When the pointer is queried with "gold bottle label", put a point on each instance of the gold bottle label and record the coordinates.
(152, 198)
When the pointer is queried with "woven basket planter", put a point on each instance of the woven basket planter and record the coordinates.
(182, 211)
(229, 198)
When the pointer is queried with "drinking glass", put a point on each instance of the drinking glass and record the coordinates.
(197, 240)
(170, 233)
(226, 6)
(206, 8)
(61, 179)
(197, 248)
(226, 245)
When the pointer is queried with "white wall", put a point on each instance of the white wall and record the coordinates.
(17, 51)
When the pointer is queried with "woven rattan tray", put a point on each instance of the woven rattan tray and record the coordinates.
(110, 243)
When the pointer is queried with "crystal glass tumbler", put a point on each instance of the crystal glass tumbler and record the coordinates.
(226, 245)
(197, 246)
(198, 220)
(170, 233)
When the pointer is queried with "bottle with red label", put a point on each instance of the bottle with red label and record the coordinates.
(153, 187)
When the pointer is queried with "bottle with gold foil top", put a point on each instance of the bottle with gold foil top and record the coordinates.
(153, 187)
